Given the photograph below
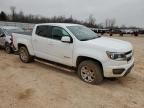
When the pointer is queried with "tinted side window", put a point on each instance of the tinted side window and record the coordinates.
(58, 32)
(44, 31)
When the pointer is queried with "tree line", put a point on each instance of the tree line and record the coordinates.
(15, 16)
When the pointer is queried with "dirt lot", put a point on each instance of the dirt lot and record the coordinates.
(37, 85)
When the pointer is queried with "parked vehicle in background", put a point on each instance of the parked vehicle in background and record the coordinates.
(141, 31)
(6, 37)
(100, 31)
(78, 47)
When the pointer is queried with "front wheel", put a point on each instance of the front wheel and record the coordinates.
(90, 72)
(24, 55)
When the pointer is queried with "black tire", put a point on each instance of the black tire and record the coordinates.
(8, 48)
(93, 73)
(24, 55)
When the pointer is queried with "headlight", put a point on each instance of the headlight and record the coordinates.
(116, 55)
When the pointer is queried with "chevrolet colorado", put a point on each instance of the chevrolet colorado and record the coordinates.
(74, 45)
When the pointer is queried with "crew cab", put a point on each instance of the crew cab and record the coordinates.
(93, 57)
(6, 37)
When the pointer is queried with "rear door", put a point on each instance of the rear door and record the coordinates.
(42, 42)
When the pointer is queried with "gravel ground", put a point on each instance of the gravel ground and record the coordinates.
(38, 85)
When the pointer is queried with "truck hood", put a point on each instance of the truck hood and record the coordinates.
(110, 44)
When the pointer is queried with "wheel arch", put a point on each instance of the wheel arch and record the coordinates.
(21, 45)
(83, 58)
(30, 57)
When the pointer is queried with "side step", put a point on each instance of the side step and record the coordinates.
(56, 65)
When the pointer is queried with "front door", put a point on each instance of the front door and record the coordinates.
(62, 52)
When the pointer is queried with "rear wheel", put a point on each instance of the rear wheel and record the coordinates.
(90, 72)
(24, 55)
(8, 48)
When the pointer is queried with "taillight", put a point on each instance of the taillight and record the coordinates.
(11, 39)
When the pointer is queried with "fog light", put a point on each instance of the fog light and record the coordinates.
(118, 71)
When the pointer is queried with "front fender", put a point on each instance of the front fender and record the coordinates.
(98, 55)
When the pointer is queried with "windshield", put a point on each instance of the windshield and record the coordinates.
(82, 33)
(13, 30)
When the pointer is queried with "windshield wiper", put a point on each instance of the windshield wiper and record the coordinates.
(90, 38)
(98, 36)
(84, 39)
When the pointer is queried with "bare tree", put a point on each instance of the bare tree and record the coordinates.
(107, 23)
(3, 16)
(13, 12)
(21, 13)
(110, 23)
(92, 21)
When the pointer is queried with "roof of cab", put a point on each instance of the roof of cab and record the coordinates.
(58, 24)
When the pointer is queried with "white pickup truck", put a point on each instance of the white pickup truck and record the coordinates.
(73, 45)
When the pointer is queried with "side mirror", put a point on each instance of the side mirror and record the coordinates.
(2, 35)
(66, 39)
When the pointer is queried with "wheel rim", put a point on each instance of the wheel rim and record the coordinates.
(23, 55)
(87, 73)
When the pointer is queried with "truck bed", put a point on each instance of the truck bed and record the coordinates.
(25, 33)
(23, 38)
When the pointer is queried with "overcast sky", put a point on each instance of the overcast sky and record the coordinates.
(128, 12)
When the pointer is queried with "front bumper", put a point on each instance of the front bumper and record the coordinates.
(123, 70)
